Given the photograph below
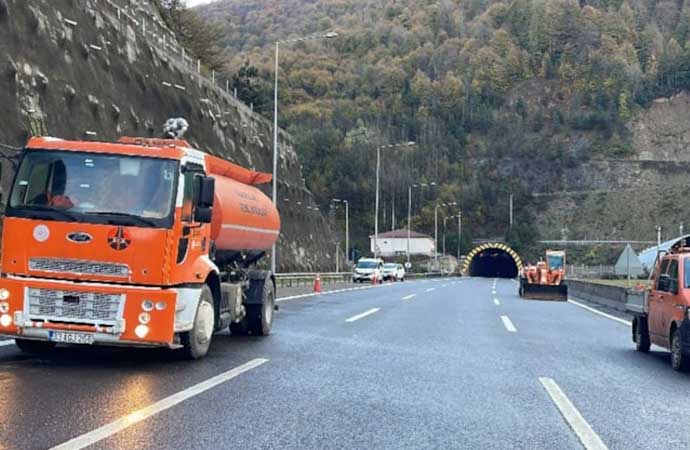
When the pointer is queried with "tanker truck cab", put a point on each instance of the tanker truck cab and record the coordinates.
(141, 242)
(664, 317)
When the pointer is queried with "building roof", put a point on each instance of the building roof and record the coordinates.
(400, 234)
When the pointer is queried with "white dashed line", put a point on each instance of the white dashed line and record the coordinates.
(430, 289)
(7, 342)
(407, 297)
(508, 324)
(127, 421)
(445, 285)
(590, 440)
(496, 302)
(364, 314)
(603, 314)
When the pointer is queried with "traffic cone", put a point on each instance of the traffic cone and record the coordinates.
(317, 283)
(374, 280)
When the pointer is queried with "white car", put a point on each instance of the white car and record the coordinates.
(393, 271)
(367, 269)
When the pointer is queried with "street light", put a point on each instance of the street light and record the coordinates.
(378, 168)
(409, 211)
(459, 232)
(444, 205)
(347, 227)
(329, 35)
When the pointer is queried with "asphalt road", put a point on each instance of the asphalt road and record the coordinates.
(437, 364)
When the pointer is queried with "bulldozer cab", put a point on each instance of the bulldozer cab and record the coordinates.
(555, 260)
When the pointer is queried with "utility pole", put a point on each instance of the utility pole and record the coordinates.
(459, 232)
(409, 219)
(511, 210)
(680, 229)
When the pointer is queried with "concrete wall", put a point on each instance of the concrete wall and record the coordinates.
(610, 296)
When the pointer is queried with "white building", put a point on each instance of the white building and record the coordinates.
(394, 242)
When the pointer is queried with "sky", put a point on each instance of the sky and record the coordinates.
(193, 3)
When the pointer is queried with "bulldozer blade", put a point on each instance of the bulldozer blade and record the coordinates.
(531, 291)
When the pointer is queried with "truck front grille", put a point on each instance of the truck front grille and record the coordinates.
(79, 266)
(73, 306)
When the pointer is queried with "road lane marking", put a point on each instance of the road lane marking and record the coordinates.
(364, 314)
(508, 324)
(493, 292)
(338, 291)
(603, 314)
(7, 342)
(430, 289)
(407, 297)
(127, 421)
(590, 440)
(496, 302)
(445, 285)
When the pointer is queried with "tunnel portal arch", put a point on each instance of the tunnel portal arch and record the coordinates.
(492, 259)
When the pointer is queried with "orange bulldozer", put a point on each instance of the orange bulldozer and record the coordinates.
(545, 280)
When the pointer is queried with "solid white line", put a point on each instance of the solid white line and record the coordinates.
(590, 440)
(122, 423)
(493, 292)
(7, 342)
(430, 289)
(603, 314)
(508, 324)
(496, 302)
(338, 291)
(407, 297)
(364, 314)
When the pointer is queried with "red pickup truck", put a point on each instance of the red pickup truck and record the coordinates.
(662, 316)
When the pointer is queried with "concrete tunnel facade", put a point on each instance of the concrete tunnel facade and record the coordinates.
(492, 260)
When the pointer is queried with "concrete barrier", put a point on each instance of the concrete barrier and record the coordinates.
(613, 297)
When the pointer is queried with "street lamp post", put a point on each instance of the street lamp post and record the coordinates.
(409, 211)
(436, 227)
(347, 227)
(329, 35)
(378, 170)
(459, 232)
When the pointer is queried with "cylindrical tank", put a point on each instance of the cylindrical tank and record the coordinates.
(244, 218)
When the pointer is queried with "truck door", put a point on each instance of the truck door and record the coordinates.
(655, 304)
(671, 299)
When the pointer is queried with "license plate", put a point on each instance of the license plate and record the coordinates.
(70, 338)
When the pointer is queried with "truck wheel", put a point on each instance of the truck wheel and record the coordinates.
(197, 341)
(31, 346)
(260, 317)
(679, 360)
(641, 336)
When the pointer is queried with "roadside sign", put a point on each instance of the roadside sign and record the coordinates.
(408, 265)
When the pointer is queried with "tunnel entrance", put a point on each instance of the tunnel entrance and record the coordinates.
(493, 260)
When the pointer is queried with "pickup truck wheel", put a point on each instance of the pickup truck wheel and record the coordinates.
(679, 360)
(260, 317)
(31, 346)
(641, 334)
(197, 341)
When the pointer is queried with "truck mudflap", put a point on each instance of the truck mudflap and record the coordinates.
(535, 291)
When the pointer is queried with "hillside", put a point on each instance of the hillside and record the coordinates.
(537, 98)
(101, 69)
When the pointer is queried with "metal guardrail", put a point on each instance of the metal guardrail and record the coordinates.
(284, 280)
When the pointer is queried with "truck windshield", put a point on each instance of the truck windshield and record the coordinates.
(555, 262)
(92, 187)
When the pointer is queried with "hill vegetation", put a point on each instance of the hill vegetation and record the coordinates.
(473, 83)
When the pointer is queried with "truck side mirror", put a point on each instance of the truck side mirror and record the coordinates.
(203, 214)
(207, 190)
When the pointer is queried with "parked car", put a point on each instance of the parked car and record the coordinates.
(368, 269)
(393, 271)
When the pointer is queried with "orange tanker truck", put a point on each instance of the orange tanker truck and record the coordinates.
(140, 242)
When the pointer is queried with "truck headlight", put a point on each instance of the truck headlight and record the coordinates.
(4, 308)
(5, 320)
(4, 294)
(160, 306)
(147, 305)
(141, 331)
(144, 318)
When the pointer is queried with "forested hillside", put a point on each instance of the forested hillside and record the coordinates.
(500, 97)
